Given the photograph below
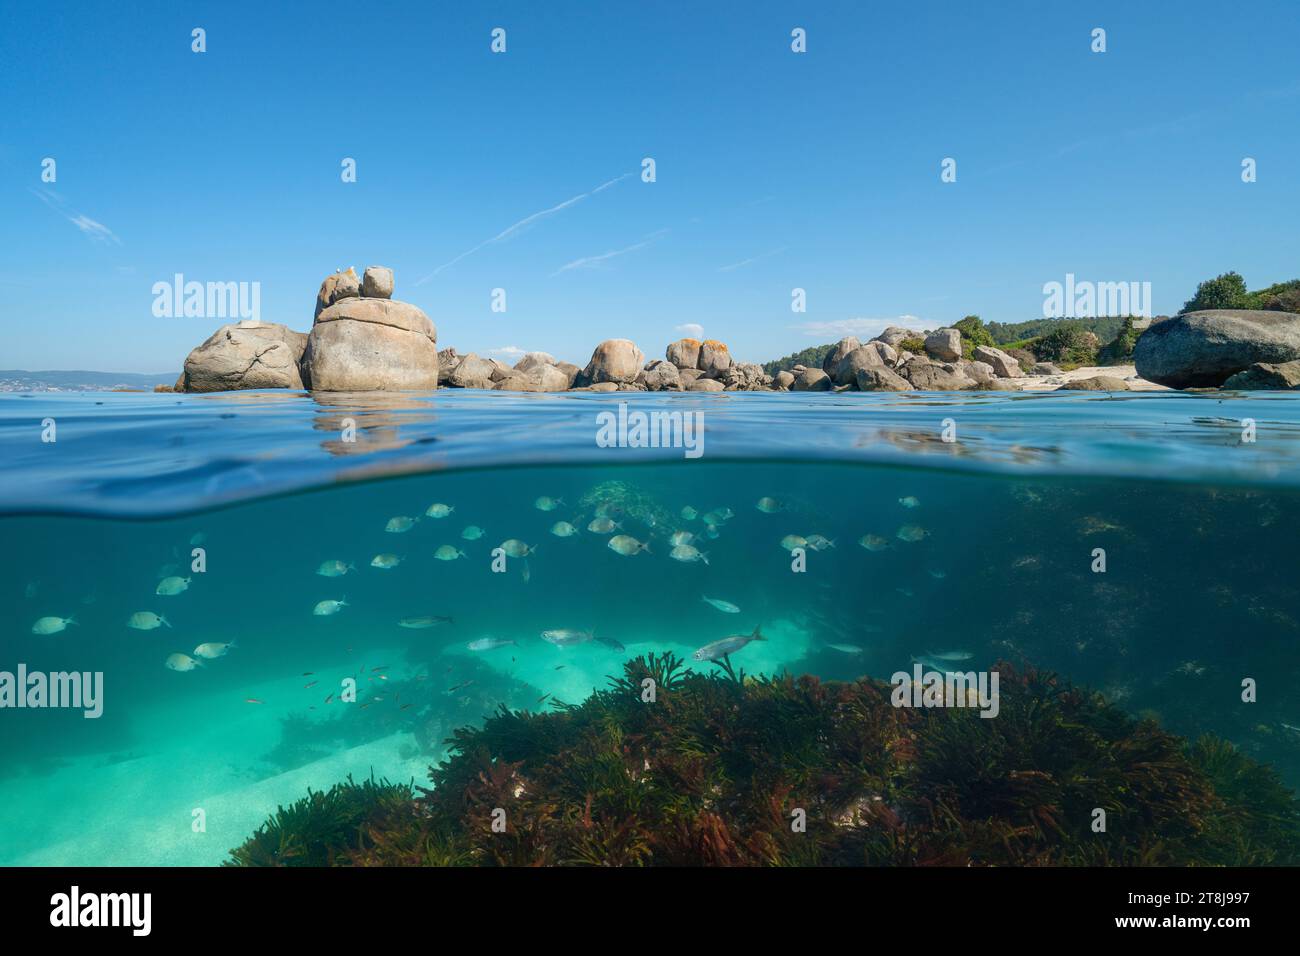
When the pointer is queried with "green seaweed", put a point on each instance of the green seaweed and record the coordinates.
(723, 769)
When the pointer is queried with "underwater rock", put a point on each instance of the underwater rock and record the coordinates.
(1263, 376)
(371, 344)
(944, 345)
(245, 355)
(1202, 349)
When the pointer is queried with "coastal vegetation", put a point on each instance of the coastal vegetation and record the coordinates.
(675, 767)
(1228, 291)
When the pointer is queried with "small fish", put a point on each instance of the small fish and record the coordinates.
(937, 573)
(911, 533)
(400, 525)
(542, 698)
(461, 686)
(820, 542)
(547, 504)
(610, 643)
(603, 525)
(873, 542)
(211, 651)
(489, 643)
(627, 545)
(448, 553)
(565, 637)
(515, 548)
(906, 592)
(728, 645)
(560, 667)
(769, 506)
(172, 585)
(689, 514)
(252, 700)
(51, 625)
(419, 623)
(438, 510)
(308, 673)
(329, 698)
(381, 667)
(934, 663)
(846, 648)
(680, 538)
(333, 569)
(562, 529)
(328, 607)
(385, 562)
(908, 502)
(724, 606)
(181, 662)
(146, 621)
(310, 684)
(404, 706)
(792, 541)
(949, 655)
(472, 533)
(688, 554)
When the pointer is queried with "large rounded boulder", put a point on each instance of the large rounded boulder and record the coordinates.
(1204, 349)
(245, 355)
(370, 345)
(614, 360)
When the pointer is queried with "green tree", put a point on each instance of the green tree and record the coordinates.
(973, 334)
(1227, 291)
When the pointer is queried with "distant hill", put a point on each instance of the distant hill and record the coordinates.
(20, 380)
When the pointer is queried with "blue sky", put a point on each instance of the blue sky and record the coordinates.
(775, 170)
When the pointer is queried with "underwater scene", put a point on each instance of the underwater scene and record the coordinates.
(438, 650)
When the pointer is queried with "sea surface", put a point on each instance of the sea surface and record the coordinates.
(985, 517)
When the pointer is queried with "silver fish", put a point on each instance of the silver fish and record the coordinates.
(728, 645)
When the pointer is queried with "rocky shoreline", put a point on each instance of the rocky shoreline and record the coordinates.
(364, 340)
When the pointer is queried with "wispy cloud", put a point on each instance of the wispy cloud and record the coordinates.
(744, 262)
(692, 329)
(513, 230)
(588, 262)
(95, 231)
(860, 327)
(510, 351)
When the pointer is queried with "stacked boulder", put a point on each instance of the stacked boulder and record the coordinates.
(364, 340)
(361, 340)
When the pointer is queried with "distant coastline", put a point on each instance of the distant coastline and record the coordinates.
(81, 380)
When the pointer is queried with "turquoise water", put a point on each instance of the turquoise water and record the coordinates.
(1198, 526)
